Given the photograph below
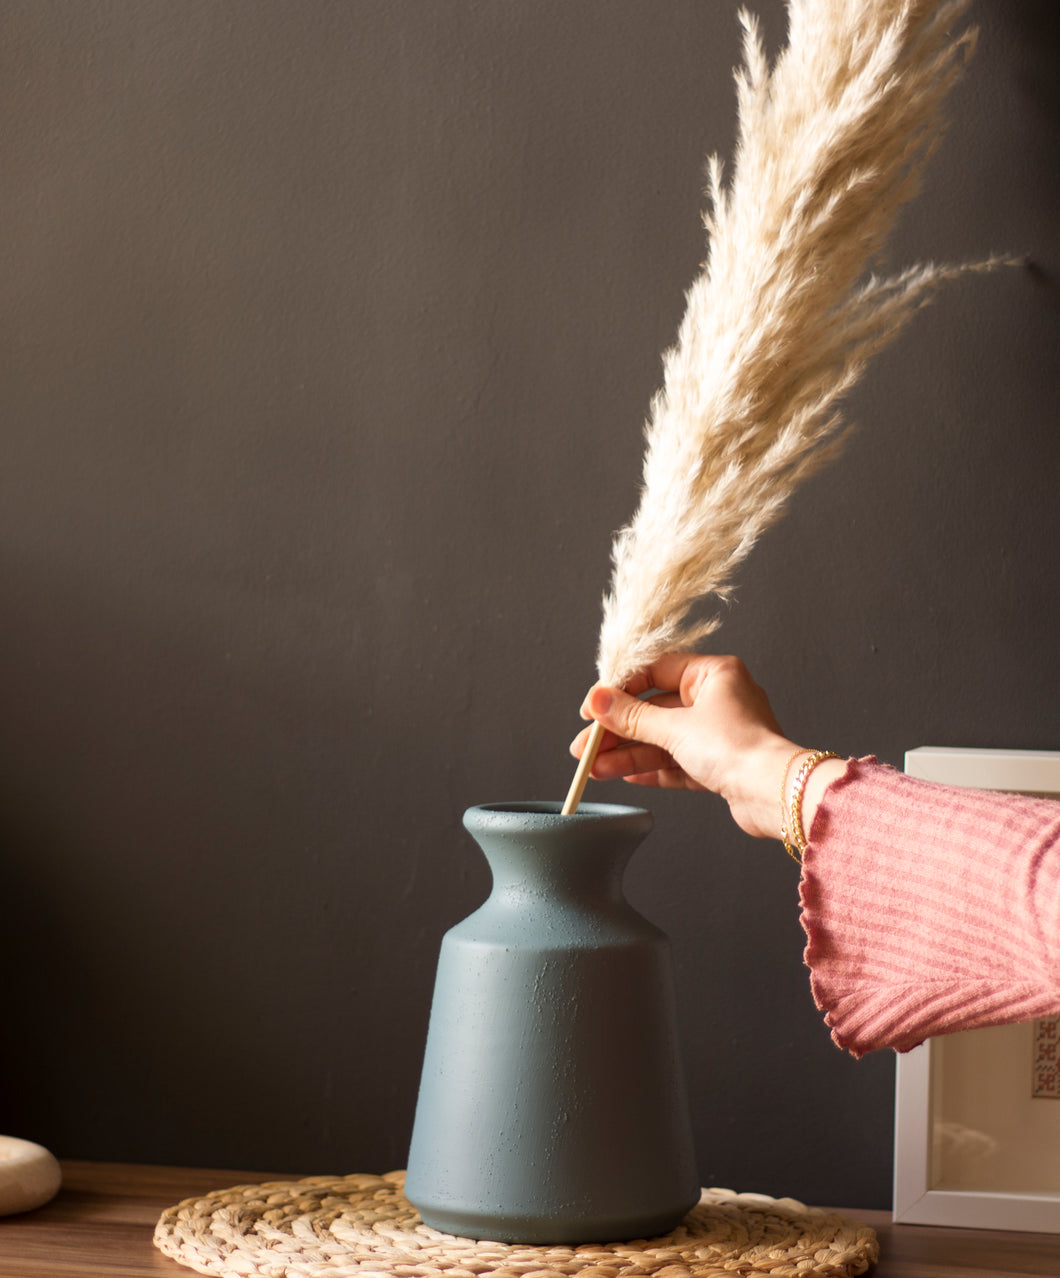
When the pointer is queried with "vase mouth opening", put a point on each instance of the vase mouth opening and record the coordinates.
(552, 809)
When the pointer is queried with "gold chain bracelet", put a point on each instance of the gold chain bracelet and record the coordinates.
(798, 789)
(784, 807)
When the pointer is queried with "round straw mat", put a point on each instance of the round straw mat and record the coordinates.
(340, 1226)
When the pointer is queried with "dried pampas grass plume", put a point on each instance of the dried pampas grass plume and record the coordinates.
(782, 320)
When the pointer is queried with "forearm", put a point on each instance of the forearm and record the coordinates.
(929, 909)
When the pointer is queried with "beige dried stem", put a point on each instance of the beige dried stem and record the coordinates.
(782, 319)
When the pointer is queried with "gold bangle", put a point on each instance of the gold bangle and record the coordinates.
(784, 807)
(801, 777)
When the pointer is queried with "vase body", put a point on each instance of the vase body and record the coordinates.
(552, 1105)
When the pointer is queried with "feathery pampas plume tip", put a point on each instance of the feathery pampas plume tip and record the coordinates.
(832, 141)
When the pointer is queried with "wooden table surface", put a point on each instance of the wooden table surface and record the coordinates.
(101, 1223)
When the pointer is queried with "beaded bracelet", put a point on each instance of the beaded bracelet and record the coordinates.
(801, 777)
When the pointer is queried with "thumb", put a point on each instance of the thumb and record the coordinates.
(629, 717)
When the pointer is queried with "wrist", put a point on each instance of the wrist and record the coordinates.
(752, 789)
(759, 787)
(817, 783)
(814, 771)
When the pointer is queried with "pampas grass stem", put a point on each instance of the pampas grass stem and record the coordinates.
(581, 773)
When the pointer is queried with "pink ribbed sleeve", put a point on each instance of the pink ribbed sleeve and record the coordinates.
(929, 909)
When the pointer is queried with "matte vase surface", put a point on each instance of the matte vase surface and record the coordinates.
(552, 1105)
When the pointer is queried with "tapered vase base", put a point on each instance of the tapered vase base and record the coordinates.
(543, 1231)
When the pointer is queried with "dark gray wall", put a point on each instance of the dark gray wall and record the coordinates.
(328, 330)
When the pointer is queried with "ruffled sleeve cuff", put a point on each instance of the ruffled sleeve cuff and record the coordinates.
(928, 909)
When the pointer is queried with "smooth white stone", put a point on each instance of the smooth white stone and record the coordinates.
(29, 1175)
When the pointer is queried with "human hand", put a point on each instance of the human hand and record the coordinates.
(706, 726)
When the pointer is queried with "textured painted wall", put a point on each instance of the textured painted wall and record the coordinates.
(327, 331)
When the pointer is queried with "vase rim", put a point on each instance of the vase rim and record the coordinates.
(547, 811)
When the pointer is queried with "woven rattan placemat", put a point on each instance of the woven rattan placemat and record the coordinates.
(339, 1226)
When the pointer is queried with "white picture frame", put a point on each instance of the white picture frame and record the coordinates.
(924, 1192)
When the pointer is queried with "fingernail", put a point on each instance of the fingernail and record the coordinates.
(601, 701)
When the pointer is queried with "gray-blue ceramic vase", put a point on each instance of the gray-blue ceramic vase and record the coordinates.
(552, 1105)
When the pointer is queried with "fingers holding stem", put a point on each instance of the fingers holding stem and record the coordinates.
(619, 744)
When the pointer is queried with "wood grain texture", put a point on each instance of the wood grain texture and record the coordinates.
(101, 1223)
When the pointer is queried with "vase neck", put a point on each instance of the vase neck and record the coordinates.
(535, 854)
